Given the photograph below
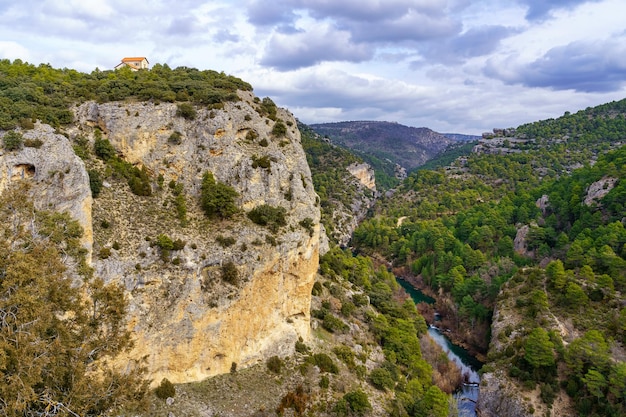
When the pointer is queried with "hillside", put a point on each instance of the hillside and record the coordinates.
(524, 239)
(160, 245)
(384, 145)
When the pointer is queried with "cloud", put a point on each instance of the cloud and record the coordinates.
(372, 11)
(289, 52)
(478, 41)
(276, 12)
(224, 35)
(412, 27)
(581, 66)
(539, 10)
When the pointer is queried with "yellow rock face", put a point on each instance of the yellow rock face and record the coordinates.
(187, 322)
(269, 316)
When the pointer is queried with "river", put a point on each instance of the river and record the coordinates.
(467, 395)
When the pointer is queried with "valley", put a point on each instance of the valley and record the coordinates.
(208, 254)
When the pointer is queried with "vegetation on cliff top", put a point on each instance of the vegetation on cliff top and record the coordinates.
(29, 92)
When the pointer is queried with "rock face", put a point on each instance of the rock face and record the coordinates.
(187, 320)
(500, 398)
(599, 189)
(365, 174)
(57, 177)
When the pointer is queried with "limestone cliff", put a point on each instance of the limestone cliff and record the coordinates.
(187, 321)
(57, 177)
(364, 173)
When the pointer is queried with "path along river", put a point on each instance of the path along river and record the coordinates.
(466, 395)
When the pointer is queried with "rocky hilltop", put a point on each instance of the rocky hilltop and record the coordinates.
(409, 147)
(189, 322)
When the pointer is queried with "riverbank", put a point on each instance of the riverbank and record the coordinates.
(442, 314)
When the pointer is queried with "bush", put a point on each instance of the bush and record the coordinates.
(251, 135)
(165, 390)
(279, 129)
(307, 223)
(217, 199)
(13, 141)
(301, 347)
(33, 143)
(230, 273)
(103, 149)
(95, 182)
(263, 162)
(324, 382)
(266, 215)
(358, 402)
(325, 363)
(104, 253)
(317, 288)
(296, 400)
(225, 241)
(175, 138)
(333, 324)
(275, 364)
(186, 111)
(382, 379)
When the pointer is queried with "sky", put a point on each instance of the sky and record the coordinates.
(462, 66)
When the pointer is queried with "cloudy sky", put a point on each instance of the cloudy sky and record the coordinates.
(452, 65)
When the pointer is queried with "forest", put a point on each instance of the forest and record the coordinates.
(459, 235)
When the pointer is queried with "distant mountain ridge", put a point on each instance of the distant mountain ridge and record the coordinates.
(406, 146)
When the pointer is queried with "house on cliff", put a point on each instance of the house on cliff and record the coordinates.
(134, 63)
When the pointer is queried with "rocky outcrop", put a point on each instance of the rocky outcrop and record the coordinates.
(498, 397)
(364, 173)
(57, 178)
(599, 189)
(188, 321)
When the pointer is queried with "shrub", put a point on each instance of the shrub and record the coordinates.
(279, 129)
(268, 108)
(358, 402)
(301, 347)
(266, 215)
(263, 162)
(217, 199)
(307, 223)
(104, 253)
(186, 111)
(317, 288)
(264, 142)
(95, 182)
(33, 143)
(165, 390)
(325, 363)
(296, 400)
(175, 138)
(346, 355)
(251, 135)
(382, 379)
(333, 324)
(103, 149)
(225, 241)
(275, 364)
(230, 273)
(12, 141)
(233, 367)
(347, 308)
